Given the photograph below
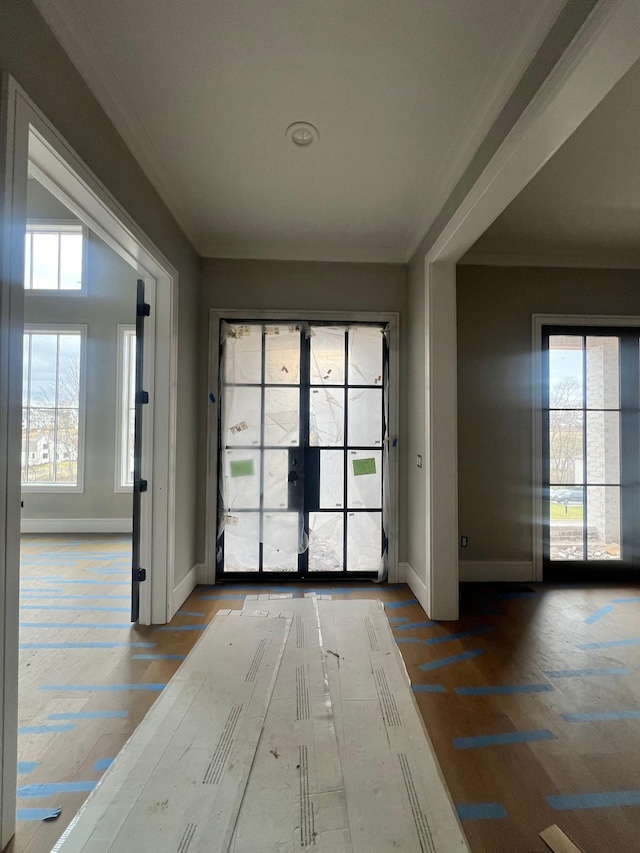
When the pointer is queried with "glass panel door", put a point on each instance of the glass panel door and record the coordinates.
(591, 450)
(302, 449)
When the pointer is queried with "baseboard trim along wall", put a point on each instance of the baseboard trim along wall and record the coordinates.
(496, 570)
(416, 584)
(76, 525)
(189, 582)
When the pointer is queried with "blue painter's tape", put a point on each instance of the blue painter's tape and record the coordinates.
(397, 619)
(158, 657)
(111, 625)
(611, 644)
(624, 600)
(602, 800)
(101, 688)
(600, 716)
(481, 811)
(436, 664)
(212, 397)
(103, 763)
(411, 625)
(50, 789)
(446, 638)
(427, 688)
(85, 645)
(99, 583)
(37, 814)
(45, 730)
(578, 673)
(400, 640)
(25, 767)
(82, 607)
(182, 628)
(88, 715)
(499, 689)
(503, 739)
(190, 613)
(598, 614)
(394, 605)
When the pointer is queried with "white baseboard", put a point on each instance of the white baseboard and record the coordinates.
(496, 570)
(76, 525)
(188, 583)
(417, 586)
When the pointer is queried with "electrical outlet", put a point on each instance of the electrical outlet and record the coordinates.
(464, 541)
(419, 461)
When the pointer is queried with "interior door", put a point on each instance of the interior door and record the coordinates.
(591, 452)
(138, 573)
(302, 450)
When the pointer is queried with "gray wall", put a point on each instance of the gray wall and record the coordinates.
(303, 286)
(495, 390)
(29, 51)
(108, 301)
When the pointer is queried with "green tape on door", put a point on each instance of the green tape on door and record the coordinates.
(242, 468)
(364, 466)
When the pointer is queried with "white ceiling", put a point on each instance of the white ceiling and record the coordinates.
(401, 91)
(583, 207)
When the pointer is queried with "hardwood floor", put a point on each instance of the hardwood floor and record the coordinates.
(544, 646)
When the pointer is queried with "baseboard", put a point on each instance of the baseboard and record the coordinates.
(417, 586)
(496, 570)
(76, 525)
(402, 572)
(188, 583)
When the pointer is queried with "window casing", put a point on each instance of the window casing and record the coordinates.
(55, 257)
(125, 407)
(53, 408)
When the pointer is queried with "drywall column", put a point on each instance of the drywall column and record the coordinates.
(441, 434)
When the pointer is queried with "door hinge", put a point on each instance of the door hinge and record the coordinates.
(142, 397)
(142, 485)
(141, 575)
(144, 309)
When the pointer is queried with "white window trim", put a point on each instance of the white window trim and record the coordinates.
(61, 226)
(61, 329)
(124, 329)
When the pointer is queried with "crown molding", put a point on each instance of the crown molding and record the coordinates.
(622, 260)
(335, 254)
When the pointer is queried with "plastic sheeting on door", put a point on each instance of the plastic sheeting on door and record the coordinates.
(259, 429)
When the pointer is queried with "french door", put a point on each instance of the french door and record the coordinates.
(302, 450)
(591, 443)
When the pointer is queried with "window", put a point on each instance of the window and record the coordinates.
(126, 407)
(53, 256)
(52, 408)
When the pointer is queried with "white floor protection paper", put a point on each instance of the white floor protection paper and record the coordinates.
(177, 785)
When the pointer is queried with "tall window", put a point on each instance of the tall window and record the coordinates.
(126, 406)
(51, 415)
(53, 256)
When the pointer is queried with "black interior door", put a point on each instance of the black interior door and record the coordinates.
(138, 573)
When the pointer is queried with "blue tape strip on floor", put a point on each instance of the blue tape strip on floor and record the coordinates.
(85, 645)
(411, 625)
(611, 644)
(481, 811)
(598, 614)
(397, 618)
(503, 739)
(600, 716)
(45, 730)
(88, 715)
(446, 638)
(80, 607)
(190, 613)
(158, 657)
(103, 763)
(101, 688)
(578, 673)
(400, 640)
(49, 789)
(427, 688)
(603, 800)
(436, 664)
(36, 814)
(25, 767)
(500, 689)
(109, 625)
(182, 628)
(99, 583)
(624, 600)
(394, 605)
